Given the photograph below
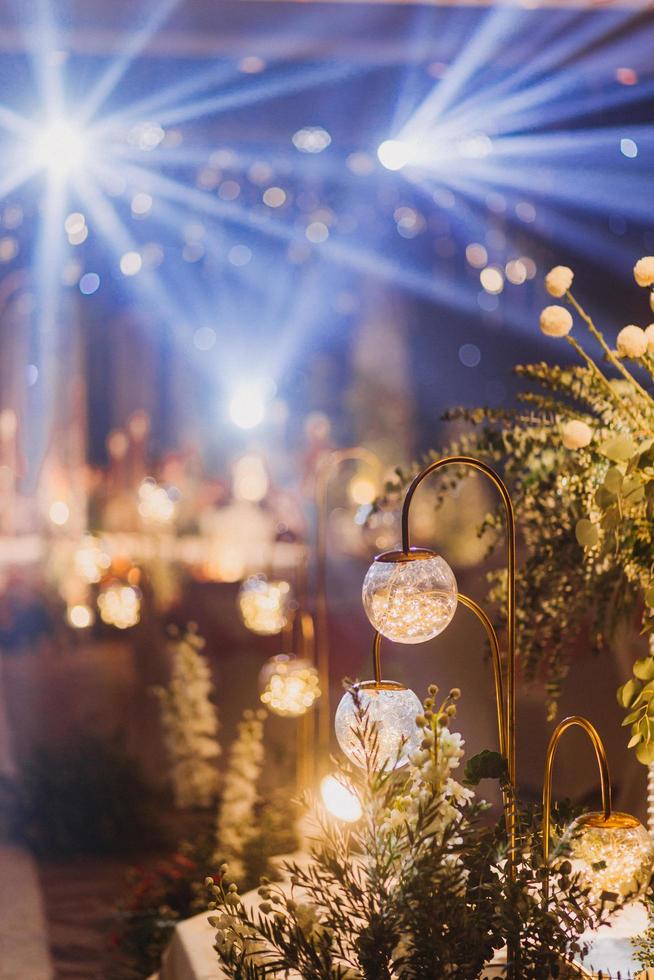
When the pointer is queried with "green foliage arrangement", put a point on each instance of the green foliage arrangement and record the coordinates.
(578, 454)
(417, 887)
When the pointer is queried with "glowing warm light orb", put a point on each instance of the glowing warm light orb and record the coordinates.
(59, 513)
(492, 279)
(386, 713)
(264, 605)
(409, 601)
(120, 606)
(156, 506)
(247, 406)
(611, 855)
(340, 801)
(289, 686)
(80, 616)
(90, 560)
(362, 490)
(394, 154)
(59, 147)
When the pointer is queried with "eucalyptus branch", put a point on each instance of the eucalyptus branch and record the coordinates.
(617, 363)
(599, 374)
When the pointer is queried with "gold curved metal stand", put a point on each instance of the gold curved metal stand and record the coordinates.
(573, 721)
(507, 710)
(502, 489)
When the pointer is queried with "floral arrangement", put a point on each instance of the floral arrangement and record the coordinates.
(417, 887)
(578, 453)
(236, 827)
(190, 723)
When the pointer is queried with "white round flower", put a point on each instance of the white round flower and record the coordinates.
(644, 271)
(632, 341)
(575, 434)
(556, 321)
(559, 280)
(649, 333)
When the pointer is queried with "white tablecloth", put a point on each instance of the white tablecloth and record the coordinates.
(190, 955)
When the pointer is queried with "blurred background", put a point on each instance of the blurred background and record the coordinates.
(234, 237)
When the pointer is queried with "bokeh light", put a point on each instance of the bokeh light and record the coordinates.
(339, 800)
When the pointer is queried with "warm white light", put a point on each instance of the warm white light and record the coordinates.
(120, 606)
(362, 490)
(130, 263)
(90, 561)
(155, 506)
(394, 154)
(289, 687)
(80, 616)
(59, 513)
(410, 601)
(264, 606)
(247, 406)
(59, 147)
(386, 715)
(340, 801)
(611, 855)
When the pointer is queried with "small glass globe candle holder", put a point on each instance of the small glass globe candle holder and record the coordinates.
(289, 686)
(119, 605)
(382, 726)
(613, 854)
(410, 597)
(264, 606)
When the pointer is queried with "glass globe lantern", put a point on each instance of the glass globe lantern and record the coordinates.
(411, 596)
(264, 606)
(386, 712)
(289, 686)
(611, 854)
(119, 605)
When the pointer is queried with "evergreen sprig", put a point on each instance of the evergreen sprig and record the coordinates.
(418, 887)
(578, 455)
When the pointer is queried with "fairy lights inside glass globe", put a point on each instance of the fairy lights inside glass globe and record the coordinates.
(386, 714)
(614, 854)
(264, 606)
(120, 605)
(410, 597)
(289, 686)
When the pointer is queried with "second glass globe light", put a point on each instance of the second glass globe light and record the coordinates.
(612, 854)
(387, 709)
(409, 597)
